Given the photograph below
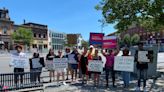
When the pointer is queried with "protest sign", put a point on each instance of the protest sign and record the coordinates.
(95, 66)
(71, 59)
(60, 63)
(49, 65)
(124, 63)
(143, 56)
(19, 61)
(109, 42)
(36, 63)
(96, 38)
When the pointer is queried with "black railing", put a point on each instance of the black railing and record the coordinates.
(16, 81)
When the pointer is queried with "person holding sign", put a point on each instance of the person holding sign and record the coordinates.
(67, 51)
(109, 65)
(125, 74)
(96, 74)
(142, 66)
(59, 72)
(83, 64)
(36, 64)
(17, 70)
(50, 56)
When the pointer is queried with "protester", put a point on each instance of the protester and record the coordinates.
(109, 65)
(36, 72)
(90, 57)
(142, 68)
(125, 74)
(96, 74)
(74, 67)
(67, 51)
(83, 64)
(61, 71)
(50, 56)
(18, 71)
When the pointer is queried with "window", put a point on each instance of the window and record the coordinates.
(4, 30)
(34, 46)
(39, 35)
(34, 34)
(45, 45)
(44, 35)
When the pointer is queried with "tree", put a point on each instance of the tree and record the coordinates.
(146, 13)
(130, 41)
(85, 44)
(135, 39)
(23, 35)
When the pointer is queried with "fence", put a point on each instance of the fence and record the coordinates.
(16, 81)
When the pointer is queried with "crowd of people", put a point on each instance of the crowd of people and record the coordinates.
(80, 69)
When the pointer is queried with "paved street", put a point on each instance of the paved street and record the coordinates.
(78, 87)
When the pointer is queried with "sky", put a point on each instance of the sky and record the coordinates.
(68, 16)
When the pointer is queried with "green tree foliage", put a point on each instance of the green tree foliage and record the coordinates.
(146, 13)
(23, 35)
(129, 41)
(85, 44)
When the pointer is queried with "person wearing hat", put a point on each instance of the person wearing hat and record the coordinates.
(18, 71)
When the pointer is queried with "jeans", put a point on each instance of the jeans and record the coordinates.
(126, 78)
(107, 70)
(142, 74)
(35, 74)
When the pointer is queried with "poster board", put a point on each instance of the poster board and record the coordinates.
(95, 66)
(19, 61)
(36, 63)
(124, 63)
(96, 38)
(49, 64)
(60, 63)
(71, 59)
(109, 42)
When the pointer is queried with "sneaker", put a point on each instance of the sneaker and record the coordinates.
(144, 90)
(138, 89)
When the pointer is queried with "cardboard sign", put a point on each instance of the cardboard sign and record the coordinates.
(96, 38)
(109, 42)
(60, 63)
(36, 63)
(71, 59)
(19, 61)
(143, 56)
(124, 63)
(49, 65)
(95, 66)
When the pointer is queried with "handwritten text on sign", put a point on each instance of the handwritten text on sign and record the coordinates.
(36, 63)
(143, 56)
(19, 61)
(95, 66)
(60, 63)
(124, 63)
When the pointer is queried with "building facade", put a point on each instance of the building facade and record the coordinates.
(75, 40)
(6, 28)
(40, 35)
(57, 40)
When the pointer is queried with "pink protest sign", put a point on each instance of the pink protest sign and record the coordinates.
(109, 42)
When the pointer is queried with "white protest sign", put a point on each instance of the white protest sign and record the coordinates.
(142, 56)
(19, 61)
(60, 63)
(95, 66)
(71, 59)
(36, 63)
(49, 65)
(124, 63)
